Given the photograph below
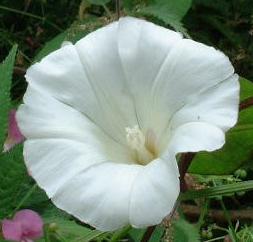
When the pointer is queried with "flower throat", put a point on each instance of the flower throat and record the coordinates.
(143, 147)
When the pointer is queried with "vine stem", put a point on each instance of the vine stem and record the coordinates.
(184, 164)
(227, 216)
(147, 235)
(117, 8)
(246, 103)
(25, 198)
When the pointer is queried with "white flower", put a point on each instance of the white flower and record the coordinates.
(105, 118)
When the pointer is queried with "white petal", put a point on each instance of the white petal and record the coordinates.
(154, 193)
(196, 136)
(143, 47)
(55, 162)
(61, 75)
(189, 69)
(164, 71)
(89, 77)
(217, 105)
(43, 117)
(99, 55)
(100, 195)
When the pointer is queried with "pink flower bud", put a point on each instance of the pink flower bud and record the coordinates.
(14, 134)
(26, 226)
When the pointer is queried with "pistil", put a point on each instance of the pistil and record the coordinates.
(137, 142)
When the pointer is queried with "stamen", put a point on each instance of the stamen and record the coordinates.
(136, 141)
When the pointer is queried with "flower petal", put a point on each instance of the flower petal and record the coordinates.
(99, 195)
(196, 136)
(217, 105)
(143, 47)
(99, 55)
(43, 117)
(75, 75)
(154, 192)
(53, 162)
(31, 223)
(61, 75)
(11, 230)
(190, 69)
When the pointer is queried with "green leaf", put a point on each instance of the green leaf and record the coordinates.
(246, 89)
(98, 2)
(238, 146)
(51, 46)
(170, 12)
(6, 69)
(14, 180)
(184, 231)
(218, 190)
(65, 227)
(137, 234)
(76, 31)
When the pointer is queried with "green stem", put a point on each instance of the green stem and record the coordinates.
(203, 212)
(46, 234)
(227, 216)
(215, 239)
(108, 12)
(32, 16)
(120, 234)
(24, 199)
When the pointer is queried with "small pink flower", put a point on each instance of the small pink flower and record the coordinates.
(14, 134)
(26, 226)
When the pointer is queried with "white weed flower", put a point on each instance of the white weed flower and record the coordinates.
(105, 118)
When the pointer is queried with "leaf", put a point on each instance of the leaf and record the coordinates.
(137, 234)
(170, 12)
(246, 89)
(51, 46)
(6, 69)
(14, 179)
(184, 231)
(218, 190)
(238, 147)
(66, 227)
(98, 2)
(77, 31)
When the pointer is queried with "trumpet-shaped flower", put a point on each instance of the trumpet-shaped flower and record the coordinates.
(105, 118)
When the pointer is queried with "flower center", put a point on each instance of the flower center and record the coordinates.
(139, 145)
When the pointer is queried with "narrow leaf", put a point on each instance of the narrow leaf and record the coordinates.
(218, 190)
(6, 69)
